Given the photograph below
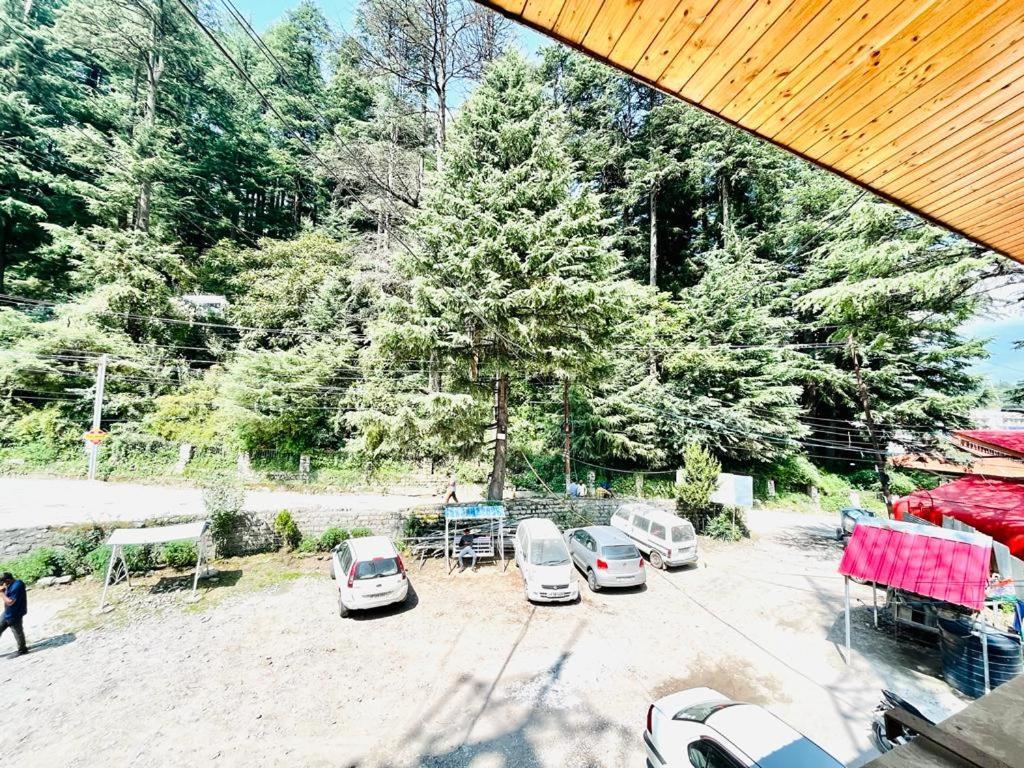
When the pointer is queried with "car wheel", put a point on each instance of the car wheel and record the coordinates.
(343, 611)
(592, 582)
(839, 534)
(656, 559)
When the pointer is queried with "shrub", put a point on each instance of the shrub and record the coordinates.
(794, 473)
(223, 500)
(33, 566)
(700, 479)
(728, 525)
(179, 554)
(75, 547)
(137, 557)
(308, 544)
(359, 533)
(286, 528)
(331, 538)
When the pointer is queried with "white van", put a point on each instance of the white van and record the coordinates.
(369, 573)
(666, 538)
(544, 561)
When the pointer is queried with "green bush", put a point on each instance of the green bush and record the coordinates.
(331, 538)
(75, 547)
(138, 558)
(179, 554)
(308, 544)
(700, 479)
(359, 533)
(287, 529)
(33, 566)
(728, 525)
(223, 499)
(794, 473)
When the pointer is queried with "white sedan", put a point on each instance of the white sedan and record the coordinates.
(701, 728)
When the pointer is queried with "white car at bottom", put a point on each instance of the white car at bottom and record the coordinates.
(369, 573)
(701, 728)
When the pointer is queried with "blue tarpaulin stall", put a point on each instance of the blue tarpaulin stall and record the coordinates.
(466, 513)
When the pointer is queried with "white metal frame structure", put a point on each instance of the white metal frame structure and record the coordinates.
(487, 510)
(122, 537)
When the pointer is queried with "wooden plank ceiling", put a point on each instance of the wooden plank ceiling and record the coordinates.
(921, 101)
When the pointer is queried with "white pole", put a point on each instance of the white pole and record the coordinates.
(874, 602)
(984, 657)
(97, 412)
(446, 563)
(846, 591)
(199, 560)
(106, 582)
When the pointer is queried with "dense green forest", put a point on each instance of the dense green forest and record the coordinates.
(434, 250)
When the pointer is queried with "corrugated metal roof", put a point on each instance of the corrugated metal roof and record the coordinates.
(948, 565)
(1007, 439)
(921, 101)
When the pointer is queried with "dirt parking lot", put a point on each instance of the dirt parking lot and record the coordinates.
(262, 672)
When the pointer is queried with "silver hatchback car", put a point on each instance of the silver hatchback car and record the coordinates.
(606, 556)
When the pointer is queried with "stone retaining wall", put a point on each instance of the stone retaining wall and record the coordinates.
(566, 512)
(255, 530)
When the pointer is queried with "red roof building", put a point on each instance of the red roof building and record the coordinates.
(991, 442)
(993, 507)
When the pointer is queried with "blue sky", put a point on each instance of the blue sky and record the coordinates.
(1005, 364)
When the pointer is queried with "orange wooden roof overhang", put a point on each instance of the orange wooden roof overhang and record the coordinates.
(920, 101)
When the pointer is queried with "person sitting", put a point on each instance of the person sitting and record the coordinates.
(465, 548)
(604, 490)
(573, 489)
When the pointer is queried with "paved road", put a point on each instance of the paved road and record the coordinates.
(29, 502)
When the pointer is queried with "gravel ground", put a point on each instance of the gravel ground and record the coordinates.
(262, 671)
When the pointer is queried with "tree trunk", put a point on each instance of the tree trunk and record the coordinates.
(433, 374)
(567, 429)
(3, 258)
(723, 191)
(154, 71)
(869, 420)
(653, 257)
(496, 487)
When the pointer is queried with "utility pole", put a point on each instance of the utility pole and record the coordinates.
(567, 429)
(869, 420)
(97, 412)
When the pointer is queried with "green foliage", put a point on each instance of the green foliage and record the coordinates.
(178, 554)
(699, 480)
(358, 533)
(287, 529)
(75, 547)
(44, 561)
(138, 558)
(727, 525)
(98, 560)
(308, 544)
(331, 538)
(223, 500)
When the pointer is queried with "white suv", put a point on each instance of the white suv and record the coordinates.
(369, 573)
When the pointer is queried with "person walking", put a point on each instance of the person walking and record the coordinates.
(450, 496)
(12, 592)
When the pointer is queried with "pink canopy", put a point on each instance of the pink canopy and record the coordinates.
(936, 562)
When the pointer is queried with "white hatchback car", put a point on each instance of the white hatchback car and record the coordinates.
(701, 728)
(369, 573)
(544, 562)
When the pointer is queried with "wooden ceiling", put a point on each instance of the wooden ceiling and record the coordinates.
(921, 101)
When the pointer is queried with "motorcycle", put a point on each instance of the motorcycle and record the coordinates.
(901, 734)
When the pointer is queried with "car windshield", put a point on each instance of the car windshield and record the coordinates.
(548, 552)
(620, 552)
(372, 569)
(681, 533)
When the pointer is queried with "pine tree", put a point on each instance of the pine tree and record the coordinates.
(513, 279)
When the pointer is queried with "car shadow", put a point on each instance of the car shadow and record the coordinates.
(56, 641)
(395, 609)
(183, 582)
(616, 591)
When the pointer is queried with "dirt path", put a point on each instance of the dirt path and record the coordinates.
(263, 672)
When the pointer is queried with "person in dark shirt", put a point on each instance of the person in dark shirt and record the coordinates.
(466, 549)
(12, 592)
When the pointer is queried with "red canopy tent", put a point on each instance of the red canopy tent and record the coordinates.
(947, 565)
(994, 507)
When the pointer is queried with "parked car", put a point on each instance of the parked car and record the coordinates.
(664, 537)
(606, 556)
(848, 519)
(701, 728)
(544, 562)
(369, 573)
